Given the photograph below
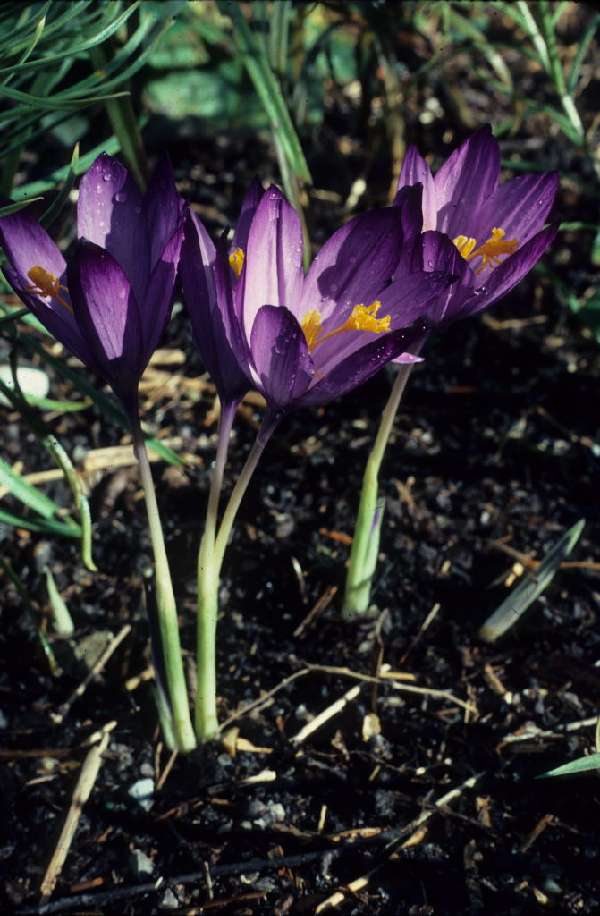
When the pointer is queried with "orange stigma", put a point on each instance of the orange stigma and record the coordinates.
(361, 318)
(47, 284)
(490, 251)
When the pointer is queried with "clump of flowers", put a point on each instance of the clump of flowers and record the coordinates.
(451, 245)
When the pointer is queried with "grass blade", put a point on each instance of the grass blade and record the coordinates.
(523, 596)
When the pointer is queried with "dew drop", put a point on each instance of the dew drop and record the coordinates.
(120, 197)
(106, 176)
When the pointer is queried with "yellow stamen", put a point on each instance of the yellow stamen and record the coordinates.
(361, 318)
(465, 245)
(47, 284)
(311, 325)
(490, 251)
(236, 261)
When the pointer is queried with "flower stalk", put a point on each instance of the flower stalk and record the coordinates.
(365, 542)
(182, 731)
(210, 561)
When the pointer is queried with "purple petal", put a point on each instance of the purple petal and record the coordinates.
(26, 245)
(251, 201)
(465, 181)
(273, 272)
(163, 210)
(197, 272)
(280, 355)
(55, 317)
(433, 252)
(108, 314)
(510, 272)
(110, 214)
(354, 264)
(155, 309)
(361, 365)
(520, 207)
(415, 170)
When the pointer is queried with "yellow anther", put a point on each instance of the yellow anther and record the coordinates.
(47, 284)
(361, 318)
(465, 245)
(311, 325)
(236, 261)
(490, 251)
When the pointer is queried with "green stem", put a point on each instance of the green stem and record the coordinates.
(265, 432)
(208, 592)
(363, 555)
(166, 608)
(210, 561)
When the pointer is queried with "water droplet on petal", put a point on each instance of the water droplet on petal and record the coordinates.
(120, 197)
(106, 176)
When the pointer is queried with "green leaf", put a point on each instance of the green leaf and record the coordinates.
(579, 765)
(582, 49)
(26, 493)
(268, 89)
(531, 587)
(43, 526)
(9, 209)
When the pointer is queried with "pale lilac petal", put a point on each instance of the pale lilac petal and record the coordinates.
(273, 272)
(163, 210)
(361, 365)
(108, 314)
(415, 170)
(510, 272)
(520, 207)
(251, 200)
(197, 272)
(26, 245)
(354, 264)
(280, 355)
(110, 214)
(465, 181)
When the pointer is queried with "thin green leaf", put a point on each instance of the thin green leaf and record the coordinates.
(582, 49)
(43, 526)
(27, 494)
(579, 765)
(531, 587)
(56, 207)
(98, 38)
(268, 89)
(17, 205)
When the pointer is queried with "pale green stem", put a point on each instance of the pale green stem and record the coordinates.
(166, 609)
(210, 561)
(363, 555)
(208, 592)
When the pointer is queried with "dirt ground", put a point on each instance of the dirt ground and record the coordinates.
(417, 793)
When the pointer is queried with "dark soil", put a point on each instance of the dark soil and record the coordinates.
(495, 442)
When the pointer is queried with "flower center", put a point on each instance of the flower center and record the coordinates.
(490, 251)
(361, 318)
(236, 261)
(46, 284)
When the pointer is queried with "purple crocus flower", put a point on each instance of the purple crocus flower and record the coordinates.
(489, 235)
(307, 339)
(110, 303)
(208, 274)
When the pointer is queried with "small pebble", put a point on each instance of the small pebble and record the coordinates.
(142, 791)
